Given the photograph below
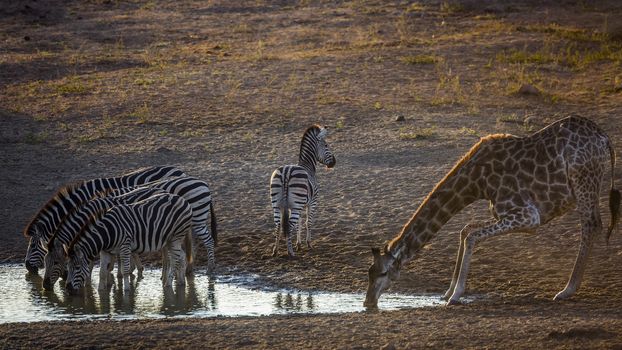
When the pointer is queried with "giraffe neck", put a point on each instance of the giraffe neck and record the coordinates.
(449, 196)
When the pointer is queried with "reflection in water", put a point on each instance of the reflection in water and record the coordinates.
(25, 300)
(289, 303)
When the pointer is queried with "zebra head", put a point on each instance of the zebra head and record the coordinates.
(54, 264)
(77, 271)
(385, 268)
(36, 246)
(323, 153)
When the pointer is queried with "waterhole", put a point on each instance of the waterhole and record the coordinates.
(24, 299)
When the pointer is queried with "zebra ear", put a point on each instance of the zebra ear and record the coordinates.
(323, 133)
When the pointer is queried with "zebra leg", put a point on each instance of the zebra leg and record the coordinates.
(167, 280)
(310, 216)
(165, 263)
(179, 263)
(294, 219)
(299, 235)
(138, 265)
(190, 250)
(119, 272)
(125, 253)
(105, 260)
(207, 239)
(277, 229)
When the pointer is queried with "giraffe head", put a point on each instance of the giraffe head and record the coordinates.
(385, 268)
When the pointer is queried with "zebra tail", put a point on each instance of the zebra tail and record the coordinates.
(214, 224)
(285, 221)
(188, 248)
(614, 196)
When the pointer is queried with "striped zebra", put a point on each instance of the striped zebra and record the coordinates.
(73, 224)
(151, 225)
(42, 226)
(292, 187)
(197, 193)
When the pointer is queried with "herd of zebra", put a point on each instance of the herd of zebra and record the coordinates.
(156, 209)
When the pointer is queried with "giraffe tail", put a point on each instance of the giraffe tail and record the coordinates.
(614, 196)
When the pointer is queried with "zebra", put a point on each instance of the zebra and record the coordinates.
(42, 226)
(73, 224)
(158, 222)
(292, 187)
(197, 193)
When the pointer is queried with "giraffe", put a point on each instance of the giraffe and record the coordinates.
(528, 181)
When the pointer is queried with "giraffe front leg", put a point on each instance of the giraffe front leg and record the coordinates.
(591, 226)
(518, 219)
(463, 234)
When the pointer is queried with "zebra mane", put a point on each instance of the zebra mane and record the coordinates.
(316, 129)
(61, 193)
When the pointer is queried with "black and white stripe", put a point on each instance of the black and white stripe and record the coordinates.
(292, 187)
(73, 223)
(197, 193)
(47, 219)
(159, 222)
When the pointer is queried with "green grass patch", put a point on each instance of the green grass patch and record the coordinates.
(410, 133)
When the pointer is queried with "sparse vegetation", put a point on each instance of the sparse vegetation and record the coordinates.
(419, 59)
(413, 133)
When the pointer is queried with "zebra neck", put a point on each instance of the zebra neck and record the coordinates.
(307, 161)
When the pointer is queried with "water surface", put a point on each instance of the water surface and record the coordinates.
(24, 300)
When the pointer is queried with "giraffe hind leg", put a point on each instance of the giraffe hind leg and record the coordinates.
(591, 225)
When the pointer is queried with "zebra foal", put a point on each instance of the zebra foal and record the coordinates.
(294, 187)
(153, 224)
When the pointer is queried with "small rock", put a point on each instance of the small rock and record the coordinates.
(399, 118)
(528, 89)
(163, 150)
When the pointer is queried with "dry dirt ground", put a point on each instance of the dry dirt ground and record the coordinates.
(224, 89)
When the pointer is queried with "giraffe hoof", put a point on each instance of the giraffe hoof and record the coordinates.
(563, 295)
(452, 302)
